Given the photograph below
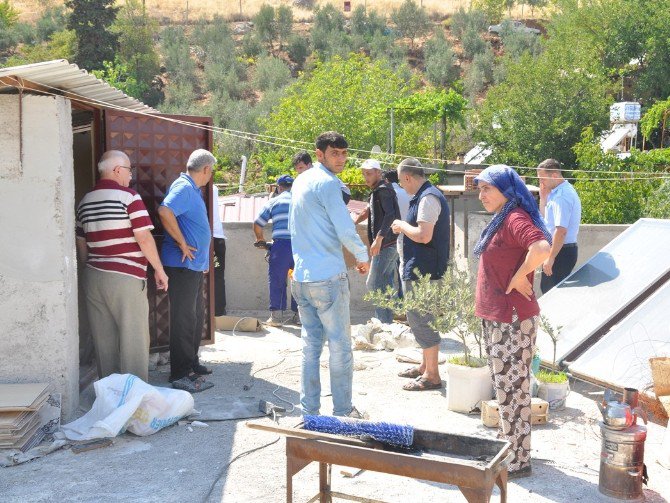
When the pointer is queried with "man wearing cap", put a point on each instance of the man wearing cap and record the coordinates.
(562, 211)
(382, 211)
(280, 256)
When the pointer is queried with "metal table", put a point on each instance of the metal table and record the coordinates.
(473, 464)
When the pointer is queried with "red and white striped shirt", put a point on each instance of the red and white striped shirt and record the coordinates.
(107, 217)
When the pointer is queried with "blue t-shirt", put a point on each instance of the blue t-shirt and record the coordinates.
(277, 209)
(185, 200)
(564, 209)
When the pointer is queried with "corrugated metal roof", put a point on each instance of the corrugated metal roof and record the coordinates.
(245, 208)
(70, 78)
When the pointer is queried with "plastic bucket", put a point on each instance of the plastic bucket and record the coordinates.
(467, 387)
(554, 393)
(535, 364)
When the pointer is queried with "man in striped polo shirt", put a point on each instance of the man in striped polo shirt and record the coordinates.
(114, 239)
(281, 255)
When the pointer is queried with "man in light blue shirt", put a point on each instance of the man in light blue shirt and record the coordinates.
(562, 211)
(320, 225)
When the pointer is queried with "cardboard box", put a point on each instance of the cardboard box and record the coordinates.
(539, 412)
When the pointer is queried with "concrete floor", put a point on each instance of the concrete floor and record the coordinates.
(178, 465)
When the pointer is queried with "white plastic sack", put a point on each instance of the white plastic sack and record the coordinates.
(125, 402)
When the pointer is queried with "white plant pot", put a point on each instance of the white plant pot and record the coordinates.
(467, 387)
(555, 393)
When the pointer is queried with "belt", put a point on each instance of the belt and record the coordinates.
(570, 245)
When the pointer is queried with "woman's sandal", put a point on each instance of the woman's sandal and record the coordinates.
(411, 373)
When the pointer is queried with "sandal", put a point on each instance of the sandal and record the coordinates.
(411, 373)
(421, 384)
(192, 384)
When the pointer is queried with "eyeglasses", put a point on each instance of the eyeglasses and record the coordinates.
(129, 168)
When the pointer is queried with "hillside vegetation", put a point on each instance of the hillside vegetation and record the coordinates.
(275, 77)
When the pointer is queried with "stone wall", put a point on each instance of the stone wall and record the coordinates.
(247, 271)
(38, 273)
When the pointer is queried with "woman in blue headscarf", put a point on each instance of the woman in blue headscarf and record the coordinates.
(510, 248)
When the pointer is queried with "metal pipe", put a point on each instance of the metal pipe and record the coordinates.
(243, 174)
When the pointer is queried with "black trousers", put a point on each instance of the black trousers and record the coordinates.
(219, 279)
(187, 318)
(563, 265)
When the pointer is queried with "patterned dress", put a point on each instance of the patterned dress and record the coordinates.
(510, 350)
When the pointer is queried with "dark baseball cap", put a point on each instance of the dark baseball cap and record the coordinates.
(285, 180)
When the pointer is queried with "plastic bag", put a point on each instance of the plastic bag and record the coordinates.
(125, 402)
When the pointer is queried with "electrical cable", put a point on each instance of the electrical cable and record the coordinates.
(255, 137)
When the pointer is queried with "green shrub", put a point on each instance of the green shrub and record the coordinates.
(473, 43)
(516, 42)
(61, 45)
(411, 20)
(298, 49)
(284, 22)
(463, 21)
(492, 9)
(177, 54)
(53, 19)
(251, 45)
(9, 16)
(365, 24)
(441, 69)
(264, 23)
(479, 74)
(327, 19)
(658, 203)
(271, 73)
(384, 46)
(616, 200)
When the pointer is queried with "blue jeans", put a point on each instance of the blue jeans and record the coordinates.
(383, 273)
(324, 312)
(281, 260)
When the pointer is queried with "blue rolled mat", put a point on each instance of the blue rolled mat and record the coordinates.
(395, 434)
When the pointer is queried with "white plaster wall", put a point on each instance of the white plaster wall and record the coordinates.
(247, 271)
(38, 284)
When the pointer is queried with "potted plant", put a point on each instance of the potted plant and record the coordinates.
(553, 385)
(451, 301)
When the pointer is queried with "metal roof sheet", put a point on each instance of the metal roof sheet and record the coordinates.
(68, 77)
(245, 208)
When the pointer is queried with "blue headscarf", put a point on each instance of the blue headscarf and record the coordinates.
(507, 181)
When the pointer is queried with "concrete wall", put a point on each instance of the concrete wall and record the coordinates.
(247, 271)
(38, 282)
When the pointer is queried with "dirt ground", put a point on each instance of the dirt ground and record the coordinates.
(210, 465)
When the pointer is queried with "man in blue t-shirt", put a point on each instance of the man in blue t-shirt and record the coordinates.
(280, 255)
(185, 256)
(562, 211)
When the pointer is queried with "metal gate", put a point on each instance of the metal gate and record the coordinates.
(158, 150)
